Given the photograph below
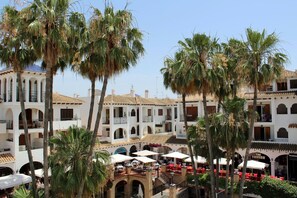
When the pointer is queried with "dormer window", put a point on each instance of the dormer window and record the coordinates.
(293, 84)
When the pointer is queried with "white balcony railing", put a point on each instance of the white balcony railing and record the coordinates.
(2, 126)
(147, 119)
(64, 125)
(119, 120)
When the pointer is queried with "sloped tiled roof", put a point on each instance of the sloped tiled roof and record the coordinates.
(129, 100)
(163, 139)
(6, 158)
(288, 74)
(31, 68)
(61, 99)
(275, 146)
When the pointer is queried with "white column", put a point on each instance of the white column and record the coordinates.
(27, 90)
(111, 123)
(38, 90)
(272, 171)
(140, 121)
(14, 89)
(128, 123)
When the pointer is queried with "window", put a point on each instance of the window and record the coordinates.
(282, 133)
(282, 86)
(66, 114)
(294, 109)
(133, 130)
(281, 109)
(133, 113)
(293, 84)
(160, 112)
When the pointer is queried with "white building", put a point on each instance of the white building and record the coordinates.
(66, 112)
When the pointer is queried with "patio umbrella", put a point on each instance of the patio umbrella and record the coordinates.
(176, 155)
(252, 164)
(198, 159)
(117, 158)
(145, 153)
(222, 161)
(145, 159)
(39, 172)
(14, 180)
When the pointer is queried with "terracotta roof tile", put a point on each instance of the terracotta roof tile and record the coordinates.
(275, 146)
(163, 139)
(61, 99)
(6, 158)
(293, 125)
(129, 100)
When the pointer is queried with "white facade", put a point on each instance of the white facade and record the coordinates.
(12, 141)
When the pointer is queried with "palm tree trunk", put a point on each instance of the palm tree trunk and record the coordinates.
(227, 176)
(91, 104)
(209, 143)
(45, 132)
(217, 174)
(90, 154)
(249, 143)
(189, 146)
(51, 129)
(27, 139)
(232, 173)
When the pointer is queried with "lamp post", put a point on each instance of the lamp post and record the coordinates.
(172, 173)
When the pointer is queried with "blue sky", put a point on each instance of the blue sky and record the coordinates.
(164, 22)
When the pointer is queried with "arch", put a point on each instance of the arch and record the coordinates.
(25, 169)
(261, 157)
(281, 166)
(121, 150)
(282, 133)
(281, 109)
(294, 108)
(5, 171)
(119, 133)
(183, 150)
(34, 118)
(9, 119)
(147, 130)
(133, 149)
(120, 189)
(133, 131)
(33, 90)
(164, 149)
(146, 147)
(137, 189)
(10, 90)
(133, 113)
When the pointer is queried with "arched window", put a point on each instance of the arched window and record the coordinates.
(281, 109)
(133, 113)
(282, 133)
(294, 109)
(133, 130)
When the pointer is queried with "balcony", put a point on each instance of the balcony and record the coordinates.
(190, 118)
(5, 146)
(168, 117)
(120, 120)
(33, 96)
(18, 97)
(147, 119)
(2, 126)
(105, 120)
(264, 118)
(64, 125)
(32, 124)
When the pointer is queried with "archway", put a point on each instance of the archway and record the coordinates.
(133, 113)
(25, 169)
(119, 133)
(133, 149)
(147, 130)
(133, 131)
(164, 149)
(281, 166)
(121, 150)
(5, 171)
(261, 158)
(120, 189)
(183, 150)
(34, 119)
(146, 147)
(137, 189)
(9, 119)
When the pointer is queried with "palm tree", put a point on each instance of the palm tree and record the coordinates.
(120, 46)
(264, 63)
(68, 163)
(201, 49)
(49, 30)
(179, 79)
(16, 53)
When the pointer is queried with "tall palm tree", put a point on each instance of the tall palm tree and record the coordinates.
(179, 79)
(264, 63)
(16, 53)
(49, 30)
(201, 49)
(120, 46)
(68, 163)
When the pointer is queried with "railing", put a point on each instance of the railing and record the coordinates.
(35, 124)
(2, 126)
(105, 120)
(264, 118)
(9, 96)
(119, 120)
(18, 97)
(165, 178)
(190, 118)
(159, 189)
(147, 119)
(168, 117)
(9, 124)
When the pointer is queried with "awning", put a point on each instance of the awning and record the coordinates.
(145, 159)
(176, 154)
(252, 164)
(145, 153)
(39, 172)
(222, 161)
(198, 159)
(14, 180)
(117, 158)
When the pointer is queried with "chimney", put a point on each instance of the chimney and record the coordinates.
(132, 92)
(146, 93)
(112, 92)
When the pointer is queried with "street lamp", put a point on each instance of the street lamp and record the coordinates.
(172, 173)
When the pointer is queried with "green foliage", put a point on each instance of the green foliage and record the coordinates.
(22, 192)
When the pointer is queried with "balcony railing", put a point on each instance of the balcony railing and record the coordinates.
(264, 118)
(18, 97)
(147, 119)
(190, 118)
(35, 124)
(120, 120)
(105, 120)
(9, 96)
(33, 96)
(9, 124)
(168, 117)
